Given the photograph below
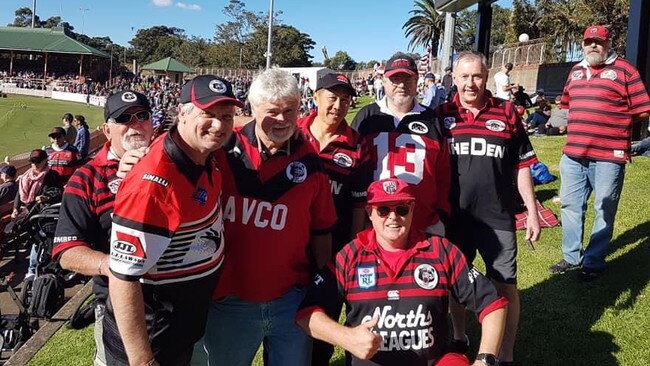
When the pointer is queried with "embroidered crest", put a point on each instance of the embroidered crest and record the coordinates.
(114, 185)
(418, 127)
(426, 276)
(129, 97)
(390, 186)
(296, 172)
(449, 122)
(366, 277)
(343, 160)
(495, 125)
(217, 86)
(577, 75)
(608, 74)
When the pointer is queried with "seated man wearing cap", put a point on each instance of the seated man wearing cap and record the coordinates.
(81, 242)
(340, 151)
(396, 284)
(62, 157)
(9, 187)
(166, 243)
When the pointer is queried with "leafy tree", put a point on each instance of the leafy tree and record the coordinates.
(466, 21)
(290, 47)
(424, 26)
(157, 42)
(24, 19)
(340, 61)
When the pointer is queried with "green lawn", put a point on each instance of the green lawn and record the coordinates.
(26, 121)
(564, 321)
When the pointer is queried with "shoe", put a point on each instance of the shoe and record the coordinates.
(29, 276)
(561, 267)
(459, 345)
(589, 274)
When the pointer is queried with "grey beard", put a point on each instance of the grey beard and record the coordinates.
(134, 143)
(595, 58)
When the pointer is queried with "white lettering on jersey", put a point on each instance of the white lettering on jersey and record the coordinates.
(261, 213)
(402, 157)
(477, 147)
(335, 187)
(411, 331)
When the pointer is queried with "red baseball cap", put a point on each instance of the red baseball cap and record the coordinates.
(389, 190)
(596, 32)
(401, 63)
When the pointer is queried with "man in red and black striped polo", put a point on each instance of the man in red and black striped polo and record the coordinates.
(396, 283)
(340, 150)
(490, 158)
(81, 242)
(604, 95)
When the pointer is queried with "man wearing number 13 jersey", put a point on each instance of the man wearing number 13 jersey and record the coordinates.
(405, 141)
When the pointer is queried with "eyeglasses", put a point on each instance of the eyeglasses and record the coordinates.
(128, 117)
(400, 210)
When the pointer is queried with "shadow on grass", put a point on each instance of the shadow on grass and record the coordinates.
(558, 314)
(544, 195)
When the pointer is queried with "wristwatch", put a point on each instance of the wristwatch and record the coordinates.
(488, 358)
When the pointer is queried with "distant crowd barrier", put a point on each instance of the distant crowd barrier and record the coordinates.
(11, 88)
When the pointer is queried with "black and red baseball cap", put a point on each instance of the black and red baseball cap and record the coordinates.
(56, 132)
(119, 102)
(401, 63)
(204, 91)
(390, 190)
(332, 80)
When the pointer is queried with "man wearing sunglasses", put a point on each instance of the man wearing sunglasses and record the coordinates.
(167, 234)
(396, 283)
(82, 236)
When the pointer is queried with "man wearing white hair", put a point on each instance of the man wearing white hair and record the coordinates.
(278, 211)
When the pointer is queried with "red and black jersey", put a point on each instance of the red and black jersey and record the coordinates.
(86, 209)
(601, 103)
(411, 302)
(346, 165)
(486, 151)
(271, 208)
(63, 161)
(414, 151)
(167, 233)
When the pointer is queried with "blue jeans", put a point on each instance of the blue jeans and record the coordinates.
(642, 147)
(579, 178)
(236, 328)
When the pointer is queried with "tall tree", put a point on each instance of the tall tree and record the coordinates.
(157, 42)
(24, 19)
(340, 61)
(290, 47)
(424, 26)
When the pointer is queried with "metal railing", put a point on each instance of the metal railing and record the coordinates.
(521, 54)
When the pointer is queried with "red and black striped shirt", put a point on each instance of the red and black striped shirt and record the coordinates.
(602, 102)
(410, 301)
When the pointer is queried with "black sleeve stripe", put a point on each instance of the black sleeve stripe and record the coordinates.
(146, 228)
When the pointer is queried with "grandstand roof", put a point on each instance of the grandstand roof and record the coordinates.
(50, 40)
(169, 64)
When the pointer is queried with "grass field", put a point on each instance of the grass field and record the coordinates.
(563, 321)
(26, 121)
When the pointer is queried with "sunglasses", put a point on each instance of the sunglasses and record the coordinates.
(400, 210)
(128, 117)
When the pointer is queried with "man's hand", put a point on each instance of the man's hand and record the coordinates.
(532, 226)
(14, 213)
(129, 159)
(363, 342)
(41, 199)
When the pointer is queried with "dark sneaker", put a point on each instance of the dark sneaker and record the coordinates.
(459, 345)
(561, 267)
(589, 274)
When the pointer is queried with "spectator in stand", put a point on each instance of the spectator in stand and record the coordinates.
(538, 118)
(604, 95)
(62, 157)
(396, 283)
(9, 187)
(504, 88)
(38, 185)
(70, 130)
(82, 141)
(557, 123)
(84, 228)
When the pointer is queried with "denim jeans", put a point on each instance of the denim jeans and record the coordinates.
(579, 178)
(642, 147)
(236, 328)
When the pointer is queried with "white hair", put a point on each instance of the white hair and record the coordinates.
(472, 56)
(273, 85)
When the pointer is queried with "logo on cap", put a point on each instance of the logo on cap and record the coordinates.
(389, 186)
(217, 86)
(400, 62)
(342, 78)
(129, 97)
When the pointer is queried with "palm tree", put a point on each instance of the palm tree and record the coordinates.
(424, 26)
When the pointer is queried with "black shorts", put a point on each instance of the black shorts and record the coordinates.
(498, 248)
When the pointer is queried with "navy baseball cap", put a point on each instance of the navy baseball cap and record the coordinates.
(10, 170)
(332, 80)
(204, 91)
(117, 103)
(429, 75)
(401, 63)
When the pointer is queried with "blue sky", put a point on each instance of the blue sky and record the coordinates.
(365, 29)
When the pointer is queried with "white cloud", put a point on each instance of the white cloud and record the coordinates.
(162, 3)
(193, 7)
